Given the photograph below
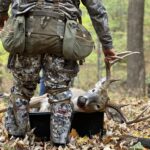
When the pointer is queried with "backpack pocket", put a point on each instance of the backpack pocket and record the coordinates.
(44, 37)
(77, 43)
(13, 35)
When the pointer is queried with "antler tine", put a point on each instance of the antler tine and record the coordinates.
(138, 118)
(122, 55)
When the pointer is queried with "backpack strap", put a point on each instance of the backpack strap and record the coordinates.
(77, 3)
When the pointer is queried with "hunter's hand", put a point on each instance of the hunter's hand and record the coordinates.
(3, 18)
(1, 29)
(109, 55)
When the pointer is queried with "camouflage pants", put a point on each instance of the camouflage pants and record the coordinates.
(58, 74)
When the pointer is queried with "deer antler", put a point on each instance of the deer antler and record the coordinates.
(112, 110)
(108, 64)
(97, 98)
(122, 55)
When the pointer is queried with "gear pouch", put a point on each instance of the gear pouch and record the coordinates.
(13, 35)
(44, 35)
(77, 42)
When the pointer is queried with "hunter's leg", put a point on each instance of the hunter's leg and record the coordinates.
(58, 74)
(26, 75)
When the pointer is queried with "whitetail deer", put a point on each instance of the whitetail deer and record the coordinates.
(97, 98)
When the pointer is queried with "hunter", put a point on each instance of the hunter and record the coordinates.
(45, 34)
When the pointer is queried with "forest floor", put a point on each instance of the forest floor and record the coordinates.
(117, 137)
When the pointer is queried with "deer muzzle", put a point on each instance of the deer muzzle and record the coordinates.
(89, 102)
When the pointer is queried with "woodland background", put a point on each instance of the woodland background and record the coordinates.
(120, 25)
(129, 22)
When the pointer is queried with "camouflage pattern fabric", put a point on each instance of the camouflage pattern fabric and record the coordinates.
(60, 122)
(16, 120)
(58, 74)
(60, 97)
(61, 113)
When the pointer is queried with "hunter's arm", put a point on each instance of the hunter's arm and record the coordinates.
(99, 19)
(4, 6)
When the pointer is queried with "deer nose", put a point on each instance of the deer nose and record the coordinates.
(81, 101)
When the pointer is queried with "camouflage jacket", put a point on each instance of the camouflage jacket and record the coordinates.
(95, 9)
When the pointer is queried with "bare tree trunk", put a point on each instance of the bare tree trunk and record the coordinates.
(135, 64)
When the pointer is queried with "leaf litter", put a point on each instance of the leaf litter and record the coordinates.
(117, 137)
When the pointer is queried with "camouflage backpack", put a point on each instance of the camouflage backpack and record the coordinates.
(47, 31)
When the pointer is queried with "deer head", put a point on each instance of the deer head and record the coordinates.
(97, 99)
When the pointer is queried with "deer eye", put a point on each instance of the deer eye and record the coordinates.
(98, 106)
(93, 90)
